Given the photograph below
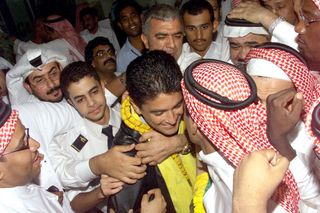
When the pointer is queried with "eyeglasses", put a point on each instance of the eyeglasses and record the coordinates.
(42, 81)
(25, 143)
(101, 53)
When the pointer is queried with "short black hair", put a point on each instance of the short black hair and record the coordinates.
(88, 11)
(74, 72)
(196, 7)
(151, 74)
(88, 52)
(120, 5)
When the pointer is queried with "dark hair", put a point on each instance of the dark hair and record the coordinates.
(122, 4)
(74, 72)
(151, 74)
(88, 11)
(88, 52)
(195, 7)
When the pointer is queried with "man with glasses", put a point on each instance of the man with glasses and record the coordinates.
(20, 164)
(100, 53)
(36, 77)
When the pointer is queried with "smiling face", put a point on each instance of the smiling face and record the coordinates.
(87, 96)
(163, 113)
(164, 35)
(130, 22)
(309, 34)
(45, 83)
(20, 164)
(199, 31)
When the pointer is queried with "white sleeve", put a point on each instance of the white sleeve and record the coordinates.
(284, 33)
(46, 120)
(17, 93)
(73, 173)
(308, 185)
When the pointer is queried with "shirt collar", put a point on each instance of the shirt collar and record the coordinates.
(114, 121)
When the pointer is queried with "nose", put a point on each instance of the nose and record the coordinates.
(199, 33)
(50, 83)
(170, 42)
(243, 53)
(33, 144)
(90, 101)
(300, 27)
(171, 118)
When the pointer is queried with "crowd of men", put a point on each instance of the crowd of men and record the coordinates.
(198, 111)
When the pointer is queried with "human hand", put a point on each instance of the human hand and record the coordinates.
(155, 147)
(115, 163)
(256, 178)
(109, 186)
(156, 205)
(253, 12)
(283, 113)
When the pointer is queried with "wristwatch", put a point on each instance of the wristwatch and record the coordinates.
(186, 149)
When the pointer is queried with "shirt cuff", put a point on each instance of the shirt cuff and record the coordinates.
(84, 172)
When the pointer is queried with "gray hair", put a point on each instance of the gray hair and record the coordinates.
(161, 12)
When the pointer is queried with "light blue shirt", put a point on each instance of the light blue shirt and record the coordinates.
(126, 54)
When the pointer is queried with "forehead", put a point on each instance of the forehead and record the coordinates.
(310, 8)
(163, 101)
(45, 69)
(249, 38)
(82, 86)
(271, 83)
(201, 18)
(172, 26)
(127, 11)
(101, 47)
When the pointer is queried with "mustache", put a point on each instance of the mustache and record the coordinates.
(196, 40)
(109, 60)
(52, 90)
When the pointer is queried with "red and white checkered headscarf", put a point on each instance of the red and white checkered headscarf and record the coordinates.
(235, 132)
(314, 138)
(317, 3)
(299, 74)
(7, 130)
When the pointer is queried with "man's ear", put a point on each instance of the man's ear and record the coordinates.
(215, 26)
(135, 107)
(27, 87)
(145, 40)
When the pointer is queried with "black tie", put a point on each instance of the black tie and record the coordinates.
(108, 132)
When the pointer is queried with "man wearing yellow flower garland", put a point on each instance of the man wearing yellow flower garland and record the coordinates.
(154, 108)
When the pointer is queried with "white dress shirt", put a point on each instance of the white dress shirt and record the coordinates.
(31, 198)
(72, 166)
